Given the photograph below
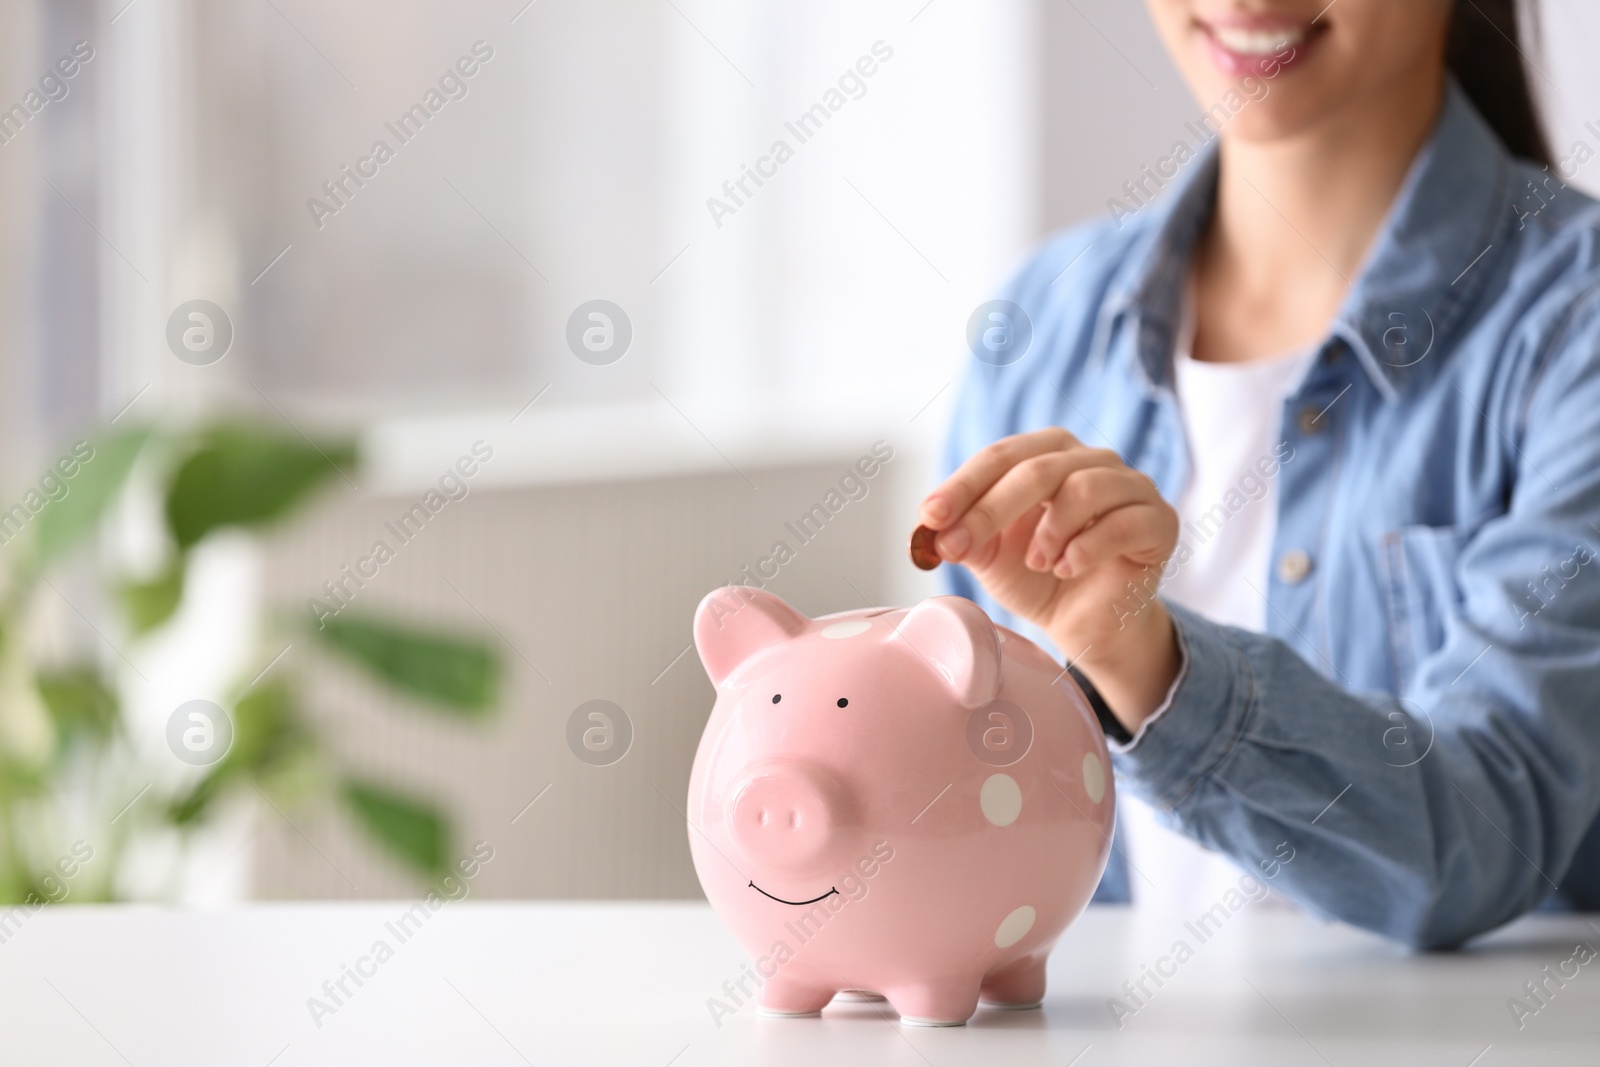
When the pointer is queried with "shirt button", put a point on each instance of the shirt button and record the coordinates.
(1293, 566)
(1311, 421)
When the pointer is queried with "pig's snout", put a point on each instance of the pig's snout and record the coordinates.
(787, 818)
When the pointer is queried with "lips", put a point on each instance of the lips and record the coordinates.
(1261, 46)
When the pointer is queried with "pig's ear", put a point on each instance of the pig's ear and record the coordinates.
(735, 622)
(955, 638)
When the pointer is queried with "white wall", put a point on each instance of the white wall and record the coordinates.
(1569, 82)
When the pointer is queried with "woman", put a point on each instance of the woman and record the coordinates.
(1336, 391)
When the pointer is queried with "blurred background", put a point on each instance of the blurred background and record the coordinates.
(575, 345)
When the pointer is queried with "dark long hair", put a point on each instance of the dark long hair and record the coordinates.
(1486, 53)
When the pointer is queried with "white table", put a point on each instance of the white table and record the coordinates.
(554, 983)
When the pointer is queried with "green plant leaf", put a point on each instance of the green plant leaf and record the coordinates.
(413, 831)
(146, 605)
(79, 701)
(457, 673)
(194, 805)
(267, 728)
(248, 476)
(268, 733)
(93, 485)
(20, 780)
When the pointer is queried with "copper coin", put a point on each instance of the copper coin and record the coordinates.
(923, 553)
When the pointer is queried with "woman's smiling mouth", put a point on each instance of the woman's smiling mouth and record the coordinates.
(1259, 46)
(793, 903)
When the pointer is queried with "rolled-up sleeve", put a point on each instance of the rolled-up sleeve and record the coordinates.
(1448, 809)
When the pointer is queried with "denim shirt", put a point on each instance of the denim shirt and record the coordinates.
(1420, 722)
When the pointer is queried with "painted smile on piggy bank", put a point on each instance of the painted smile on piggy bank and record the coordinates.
(794, 903)
(957, 804)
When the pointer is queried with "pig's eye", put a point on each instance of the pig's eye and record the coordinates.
(776, 697)
(843, 702)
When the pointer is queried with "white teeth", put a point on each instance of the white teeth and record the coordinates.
(1257, 42)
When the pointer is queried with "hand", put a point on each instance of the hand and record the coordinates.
(1073, 540)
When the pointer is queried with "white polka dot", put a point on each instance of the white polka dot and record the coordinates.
(1094, 777)
(1014, 927)
(848, 628)
(1001, 799)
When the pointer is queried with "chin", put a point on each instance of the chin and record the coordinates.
(1273, 121)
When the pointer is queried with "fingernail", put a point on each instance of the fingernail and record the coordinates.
(1036, 560)
(953, 544)
(936, 508)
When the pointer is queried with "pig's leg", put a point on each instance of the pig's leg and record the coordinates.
(783, 995)
(945, 1002)
(1019, 984)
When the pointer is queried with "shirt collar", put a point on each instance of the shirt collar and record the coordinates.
(1430, 260)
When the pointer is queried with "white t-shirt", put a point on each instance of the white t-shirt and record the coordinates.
(1232, 416)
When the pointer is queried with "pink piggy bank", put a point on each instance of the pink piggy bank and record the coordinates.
(905, 803)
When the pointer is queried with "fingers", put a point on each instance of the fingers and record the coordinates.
(1033, 481)
(947, 503)
(1143, 533)
(1009, 545)
(1084, 496)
